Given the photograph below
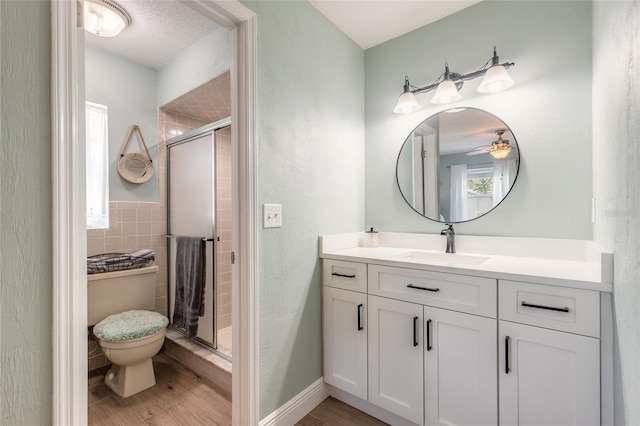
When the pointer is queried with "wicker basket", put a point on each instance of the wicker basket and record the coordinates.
(110, 262)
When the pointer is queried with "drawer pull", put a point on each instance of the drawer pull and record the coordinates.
(548, 308)
(429, 347)
(343, 275)
(507, 361)
(415, 331)
(360, 327)
(422, 288)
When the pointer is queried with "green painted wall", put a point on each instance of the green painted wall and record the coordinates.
(25, 213)
(129, 92)
(616, 173)
(548, 110)
(310, 159)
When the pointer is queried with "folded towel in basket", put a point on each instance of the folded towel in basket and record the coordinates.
(144, 253)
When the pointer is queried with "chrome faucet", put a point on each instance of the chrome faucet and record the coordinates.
(451, 238)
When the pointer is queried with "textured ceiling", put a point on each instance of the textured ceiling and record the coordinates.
(371, 22)
(159, 30)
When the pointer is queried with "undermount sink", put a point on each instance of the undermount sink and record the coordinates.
(447, 258)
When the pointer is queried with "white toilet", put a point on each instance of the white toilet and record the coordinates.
(120, 307)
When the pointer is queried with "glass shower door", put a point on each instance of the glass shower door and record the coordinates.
(191, 212)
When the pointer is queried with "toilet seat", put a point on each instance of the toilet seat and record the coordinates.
(133, 343)
(130, 326)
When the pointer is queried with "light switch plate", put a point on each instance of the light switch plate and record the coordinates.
(272, 215)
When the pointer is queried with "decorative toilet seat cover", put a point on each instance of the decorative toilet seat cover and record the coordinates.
(130, 325)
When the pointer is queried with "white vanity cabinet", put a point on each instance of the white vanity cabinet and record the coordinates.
(508, 332)
(550, 355)
(431, 358)
(396, 357)
(439, 348)
(548, 377)
(461, 383)
(344, 326)
(345, 340)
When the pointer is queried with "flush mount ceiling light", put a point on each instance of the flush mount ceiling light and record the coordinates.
(496, 78)
(104, 18)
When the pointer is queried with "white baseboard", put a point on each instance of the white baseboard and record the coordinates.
(298, 406)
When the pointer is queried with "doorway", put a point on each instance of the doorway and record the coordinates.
(69, 228)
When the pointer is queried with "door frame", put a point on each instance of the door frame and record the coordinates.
(69, 319)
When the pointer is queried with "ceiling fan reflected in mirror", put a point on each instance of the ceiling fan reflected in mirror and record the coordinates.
(499, 149)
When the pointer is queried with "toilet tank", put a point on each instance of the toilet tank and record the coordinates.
(114, 292)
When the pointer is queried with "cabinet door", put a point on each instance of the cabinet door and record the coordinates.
(395, 357)
(461, 378)
(548, 377)
(345, 340)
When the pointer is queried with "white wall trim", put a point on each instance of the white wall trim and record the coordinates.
(298, 406)
(69, 320)
(244, 287)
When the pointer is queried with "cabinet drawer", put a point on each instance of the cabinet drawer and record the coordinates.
(347, 275)
(461, 293)
(559, 308)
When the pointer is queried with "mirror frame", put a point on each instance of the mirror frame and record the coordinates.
(488, 211)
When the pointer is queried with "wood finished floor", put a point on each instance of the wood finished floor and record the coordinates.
(180, 398)
(336, 413)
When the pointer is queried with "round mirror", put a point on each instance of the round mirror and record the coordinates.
(457, 165)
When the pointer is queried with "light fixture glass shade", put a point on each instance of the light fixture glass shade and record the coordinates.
(495, 80)
(407, 104)
(104, 18)
(446, 92)
(500, 151)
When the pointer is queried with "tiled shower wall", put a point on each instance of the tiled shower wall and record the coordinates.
(223, 222)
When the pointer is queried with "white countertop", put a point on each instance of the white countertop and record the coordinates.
(567, 263)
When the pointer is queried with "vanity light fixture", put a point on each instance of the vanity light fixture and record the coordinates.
(104, 18)
(407, 102)
(496, 78)
(447, 90)
(500, 148)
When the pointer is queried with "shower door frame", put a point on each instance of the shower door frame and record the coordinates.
(173, 142)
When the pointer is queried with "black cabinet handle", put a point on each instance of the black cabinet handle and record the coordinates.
(415, 331)
(343, 275)
(548, 308)
(507, 361)
(422, 288)
(429, 347)
(360, 327)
